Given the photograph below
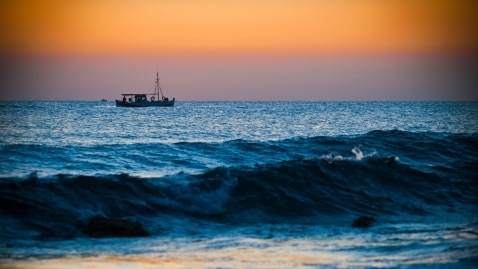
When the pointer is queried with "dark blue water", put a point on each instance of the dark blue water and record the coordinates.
(241, 184)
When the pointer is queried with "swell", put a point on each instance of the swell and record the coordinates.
(391, 174)
(419, 150)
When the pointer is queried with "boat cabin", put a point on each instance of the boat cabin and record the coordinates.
(140, 98)
(137, 98)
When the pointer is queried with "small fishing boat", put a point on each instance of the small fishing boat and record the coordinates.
(145, 99)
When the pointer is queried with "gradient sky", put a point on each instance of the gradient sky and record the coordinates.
(239, 49)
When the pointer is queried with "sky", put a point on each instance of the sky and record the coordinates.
(253, 50)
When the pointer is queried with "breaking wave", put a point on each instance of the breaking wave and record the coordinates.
(432, 181)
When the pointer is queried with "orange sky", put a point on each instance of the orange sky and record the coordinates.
(315, 49)
(236, 26)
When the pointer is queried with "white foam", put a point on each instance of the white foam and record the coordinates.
(358, 153)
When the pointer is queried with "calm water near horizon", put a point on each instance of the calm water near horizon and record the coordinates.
(240, 184)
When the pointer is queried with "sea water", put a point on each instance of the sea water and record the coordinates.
(240, 184)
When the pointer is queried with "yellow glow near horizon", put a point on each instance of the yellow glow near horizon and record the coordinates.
(246, 26)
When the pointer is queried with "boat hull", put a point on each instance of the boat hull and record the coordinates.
(168, 103)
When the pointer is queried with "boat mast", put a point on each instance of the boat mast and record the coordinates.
(158, 89)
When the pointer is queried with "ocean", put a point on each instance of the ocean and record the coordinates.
(239, 185)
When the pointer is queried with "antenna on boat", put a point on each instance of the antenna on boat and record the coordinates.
(158, 89)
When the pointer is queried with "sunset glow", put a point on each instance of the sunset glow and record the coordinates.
(239, 50)
(213, 26)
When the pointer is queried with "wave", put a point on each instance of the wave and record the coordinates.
(322, 189)
(145, 159)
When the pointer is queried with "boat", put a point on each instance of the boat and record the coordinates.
(145, 99)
